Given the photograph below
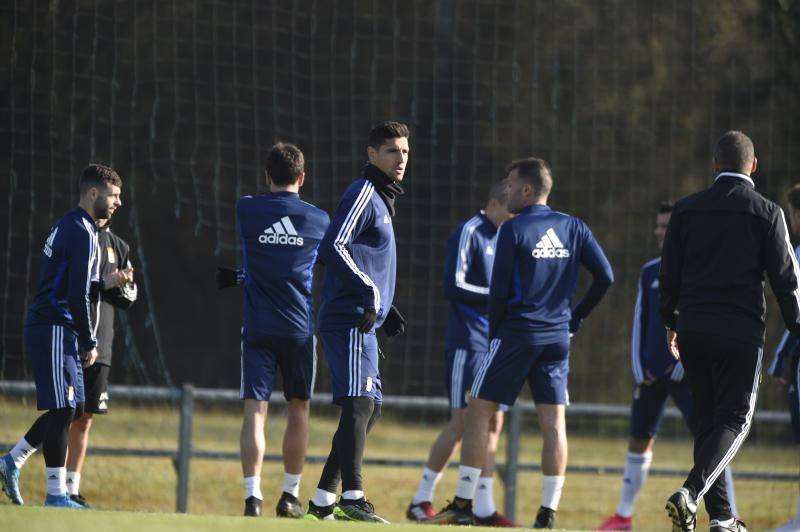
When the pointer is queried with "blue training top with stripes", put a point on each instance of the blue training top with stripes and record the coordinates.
(68, 268)
(360, 259)
(280, 239)
(649, 350)
(467, 272)
(788, 347)
(537, 260)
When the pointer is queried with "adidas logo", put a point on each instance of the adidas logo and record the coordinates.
(466, 479)
(281, 232)
(550, 247)
(48, 245)
(386, 219)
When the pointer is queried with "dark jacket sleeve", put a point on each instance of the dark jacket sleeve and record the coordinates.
(461, 251)
(502, 276)
(82, 267)
(352, 217)
(782, 271)
(669, 278)
(593, 258)
(125, 296)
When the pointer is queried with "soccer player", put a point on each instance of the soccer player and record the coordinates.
(785, 367)
(358, 290)
(117, 290)
(468, 269)
(658, 376)
(59, 336)
(719, 245)
(537, 261)
(280, 238)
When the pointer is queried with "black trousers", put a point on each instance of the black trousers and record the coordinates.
(723, 375)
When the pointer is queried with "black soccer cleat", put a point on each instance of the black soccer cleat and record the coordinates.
(731, 525)
(252, 506)
(458, 512)
(319, 513)
(357, 510)
(289, 506)
(682, 511)
(80, 500)
(545, 518)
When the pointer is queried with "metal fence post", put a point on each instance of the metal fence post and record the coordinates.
(514, 424)
(185, 447)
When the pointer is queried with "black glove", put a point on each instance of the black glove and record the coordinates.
(368, 320)
(394, 323)
(575, 324)
(227, 277)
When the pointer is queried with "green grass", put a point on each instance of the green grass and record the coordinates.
(149, 485)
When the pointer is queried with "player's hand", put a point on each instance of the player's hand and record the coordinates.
(89, 357)
(368, 321)
(117, 278)
(672, 344)
(394, 323)
(227, 277)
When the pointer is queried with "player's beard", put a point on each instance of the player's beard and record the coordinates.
(102, 211)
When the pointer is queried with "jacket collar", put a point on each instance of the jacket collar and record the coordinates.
(733, 177)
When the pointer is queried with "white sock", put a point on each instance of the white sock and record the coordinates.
(484, 498)
(291, 483)
(731, 491)
(252, 487)
(323, 498)
(56, 480)
(73, 482)
(551, 491)
(426, 486)
(637, 467)
(21, 452)
(353, 495)
(467, 482)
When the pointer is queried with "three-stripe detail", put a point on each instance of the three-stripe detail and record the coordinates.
(457, 378)
(463, 258)
(494, 345)
(283, 226)
(57, 366)
(354, 362)
(343, 237)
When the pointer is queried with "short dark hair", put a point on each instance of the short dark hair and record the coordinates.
(498, 192)
(97, 176)
(793, 195)
(734, 151)
(665, 206)
(285, 163)
(386, 130)
(536, 172)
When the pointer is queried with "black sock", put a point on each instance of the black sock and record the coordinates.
(54, 443)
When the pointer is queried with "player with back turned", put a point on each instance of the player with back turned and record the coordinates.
(280, 237)
(358, 290)
(720, 244)
(538, 258)
(59, 336)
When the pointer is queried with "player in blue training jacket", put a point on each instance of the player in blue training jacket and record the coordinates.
(658, 376)
(785, 366)
(357, 293)
(280, 239)
(539, 254)
(58, 333)
(468, 270)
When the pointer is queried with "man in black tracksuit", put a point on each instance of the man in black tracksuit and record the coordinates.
(116, 290)
(719, 244)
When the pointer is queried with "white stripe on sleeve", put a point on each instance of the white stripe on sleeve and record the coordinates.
(463, 259)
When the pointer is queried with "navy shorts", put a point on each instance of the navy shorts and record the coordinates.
(648, 404)
(794, 397)
(509, 364)
(353, 360)
(57, 368)
(263, 354)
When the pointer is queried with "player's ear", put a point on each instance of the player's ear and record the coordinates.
(269, 179)
(755, 165)
(372, 154)
(301, 179)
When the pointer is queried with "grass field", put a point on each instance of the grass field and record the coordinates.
(149, 485)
